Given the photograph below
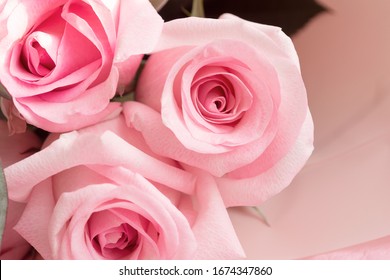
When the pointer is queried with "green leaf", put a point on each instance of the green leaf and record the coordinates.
(3, 202)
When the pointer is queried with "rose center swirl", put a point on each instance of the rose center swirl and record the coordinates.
(35, 58)
(220, 98)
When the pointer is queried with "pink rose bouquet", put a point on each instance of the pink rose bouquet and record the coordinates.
(123, 202)
(219, 119)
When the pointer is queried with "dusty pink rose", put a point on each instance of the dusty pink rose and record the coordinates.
(227, 96)
(100, 193)
(63, 60)
(13, 149)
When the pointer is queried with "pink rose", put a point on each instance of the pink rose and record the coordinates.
(100, 193)
(232, 102)
(62, 61)
(13, 149)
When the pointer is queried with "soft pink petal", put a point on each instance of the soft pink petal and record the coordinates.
(163, 142)
(138, 29)
(6, 8)
(59, 117)
(92, 101)
(213, 229)
(283, 43)
(34, 222)
(252, 191)
(87, 199)
(80, 148)
(272, 40)
(151, 86)
(95, 22)
(25, 14)
(127, 70)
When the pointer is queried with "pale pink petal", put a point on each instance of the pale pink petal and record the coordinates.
(283, 43)
(34, 222)
(204, 30)
(151, 86)
(79, 148)
(25, 14)
(119, 176)
(213, 229)
(163, 142)
(138, 19)
(6, 8)
(127, 70)
(59, 117)
(248, 190)
(76, 207)
(96, 24)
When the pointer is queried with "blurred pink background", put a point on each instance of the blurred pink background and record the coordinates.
(342, 196)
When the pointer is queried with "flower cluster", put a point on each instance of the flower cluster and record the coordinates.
(219, 119)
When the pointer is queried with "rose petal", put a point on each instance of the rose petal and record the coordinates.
(25, 14)
(113, 151)
(247, 190)
(33, 224)
(145, 25)
(161, 210)
(212, 215)
(163, 142)
(75, 114)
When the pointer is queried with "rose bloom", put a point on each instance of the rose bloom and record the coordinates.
(62, 61)
(13, 149)
(227, 96)
(100, 193)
